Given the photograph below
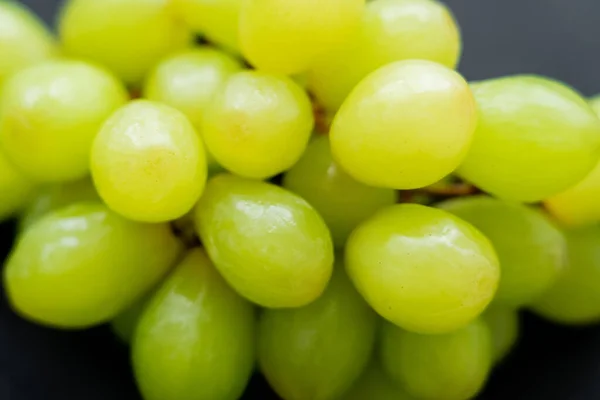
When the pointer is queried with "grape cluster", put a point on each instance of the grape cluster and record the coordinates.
(303, 188)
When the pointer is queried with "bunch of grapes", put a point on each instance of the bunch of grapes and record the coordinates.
(306, 188)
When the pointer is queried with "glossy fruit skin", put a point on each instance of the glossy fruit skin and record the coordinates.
(531, 249)
(112, 260)
(269, 244)
(405, 126)
(286, 36)
(317, 351)
(374, 384)
(535, 138)
(575, 297)
(258, 124)
(195, 339)
(504, 328)
(342, 201)
(15, 188)
(50, 113)
(148, 162)
(462, 361)
(422, 269)
(390, 30)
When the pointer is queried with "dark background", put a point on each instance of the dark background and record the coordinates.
(557, 38)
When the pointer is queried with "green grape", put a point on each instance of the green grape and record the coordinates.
(405, 126)
(374, 384)
(125, 324)
(342, 202)
(188, 80)
(217, 20)
(195, 339)
(536, 137)
(390, 30)
(453, 366)
(504, 327)
(532, 251)
(286, 36)
(15, 189)
(83, 265)
(127, 36)
(268, 243)
(53, 197)
(148, 162)
(317, 351)
(258, 124)
(575, 297)
(50, 113)
(422, 268)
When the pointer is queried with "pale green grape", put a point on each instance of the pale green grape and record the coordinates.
(374, 384)
(125, 324)
(317, 351)
(258, 124)
(127, 36)
(405, 126)
(536, 137)
(532, 251)
(504, 327)
(16, 189)
(83, 265)
(195, 339)
(342, 202)
(454, 366)
(422, 268)
(50, 113)
(268, 243)
(148, 162)
(286, 36)
(390, 30)
(575, 297)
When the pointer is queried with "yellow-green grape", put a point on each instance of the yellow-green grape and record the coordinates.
(532, 251)
(125, 324)
(268, 243)
(342, 202)
(188, 80)
(24, 40)
(390, 30)
(575, 297)
(50, 113)
(195, 339)
(83, 265)
(454, 366)
(374, 384)
(504, 327)
(217, 20)
(536, 137)
(317, 351)
(422, 268)
(127, 36)
(258, 124)
(405, 126)
(53, 197)
(148, 162)
(16, 189)
(286, 36)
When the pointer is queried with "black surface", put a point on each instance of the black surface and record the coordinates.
(557, 38)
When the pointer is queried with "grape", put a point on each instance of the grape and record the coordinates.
(125, 324)
(195, 340)
(422, 268)
(532, 251)
(317, 351)
(148, 163)
(374, 384)
(127, 36)
(504, 327)
(268, 243)
(258, 124)
(15, 188)
(405, 126)
(536, 137)
(454, 366)
(50, 113)
(390, 30)
(82, 265)
(575, 297)
(285, 36)
(342, 202)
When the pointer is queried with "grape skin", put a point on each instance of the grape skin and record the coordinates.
(504, 327)
(374, 384)
(16, 189)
